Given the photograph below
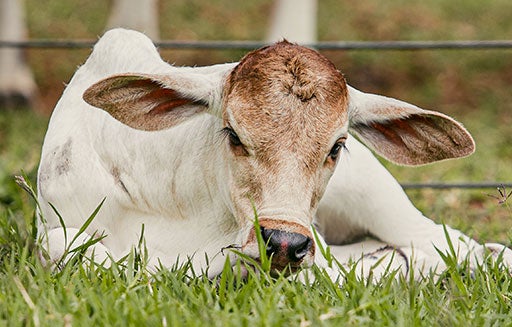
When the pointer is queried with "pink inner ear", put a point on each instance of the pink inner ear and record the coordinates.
(143, 102)
(166, 100)
(390, 134)
(396, 130)
(417, 139)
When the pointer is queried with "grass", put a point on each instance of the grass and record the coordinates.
(473, 86)
(128, 294)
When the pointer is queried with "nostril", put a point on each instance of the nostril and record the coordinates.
(272, 243)
(288, 246)
(299, 247)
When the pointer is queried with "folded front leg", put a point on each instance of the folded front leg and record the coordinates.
(362, 198)
(375, 259)
(62, 244)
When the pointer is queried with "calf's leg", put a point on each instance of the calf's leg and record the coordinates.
(362, 198)
(60, 246)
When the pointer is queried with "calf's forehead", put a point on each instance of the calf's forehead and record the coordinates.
(285, 90)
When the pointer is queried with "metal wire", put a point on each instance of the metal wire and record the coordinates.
(249, 45)
(444, 186)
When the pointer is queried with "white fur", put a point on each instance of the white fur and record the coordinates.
(175, 180)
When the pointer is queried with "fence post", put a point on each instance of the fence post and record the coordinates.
(17, 84)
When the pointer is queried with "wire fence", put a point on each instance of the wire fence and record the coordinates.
(332, 45)
(447, 186)
(250, 45)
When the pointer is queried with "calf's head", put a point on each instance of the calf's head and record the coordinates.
(286, 112)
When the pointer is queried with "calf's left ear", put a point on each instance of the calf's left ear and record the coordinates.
(403, 133)
(153, 102)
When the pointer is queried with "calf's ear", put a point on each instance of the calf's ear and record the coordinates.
(155, 102)
(403, 133)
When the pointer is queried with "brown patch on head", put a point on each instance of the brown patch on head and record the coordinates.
(299, 81)
(286, 98)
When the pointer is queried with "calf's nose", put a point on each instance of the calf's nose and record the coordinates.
(286, 247)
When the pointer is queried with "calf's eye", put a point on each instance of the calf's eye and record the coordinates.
(335, 150)
(234, 140)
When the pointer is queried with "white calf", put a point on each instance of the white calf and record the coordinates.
(191, 153)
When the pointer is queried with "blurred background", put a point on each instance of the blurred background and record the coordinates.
(471, 85)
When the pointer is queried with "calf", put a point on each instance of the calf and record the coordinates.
(193, 153)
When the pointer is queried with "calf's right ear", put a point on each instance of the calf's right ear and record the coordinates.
(155, 102)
